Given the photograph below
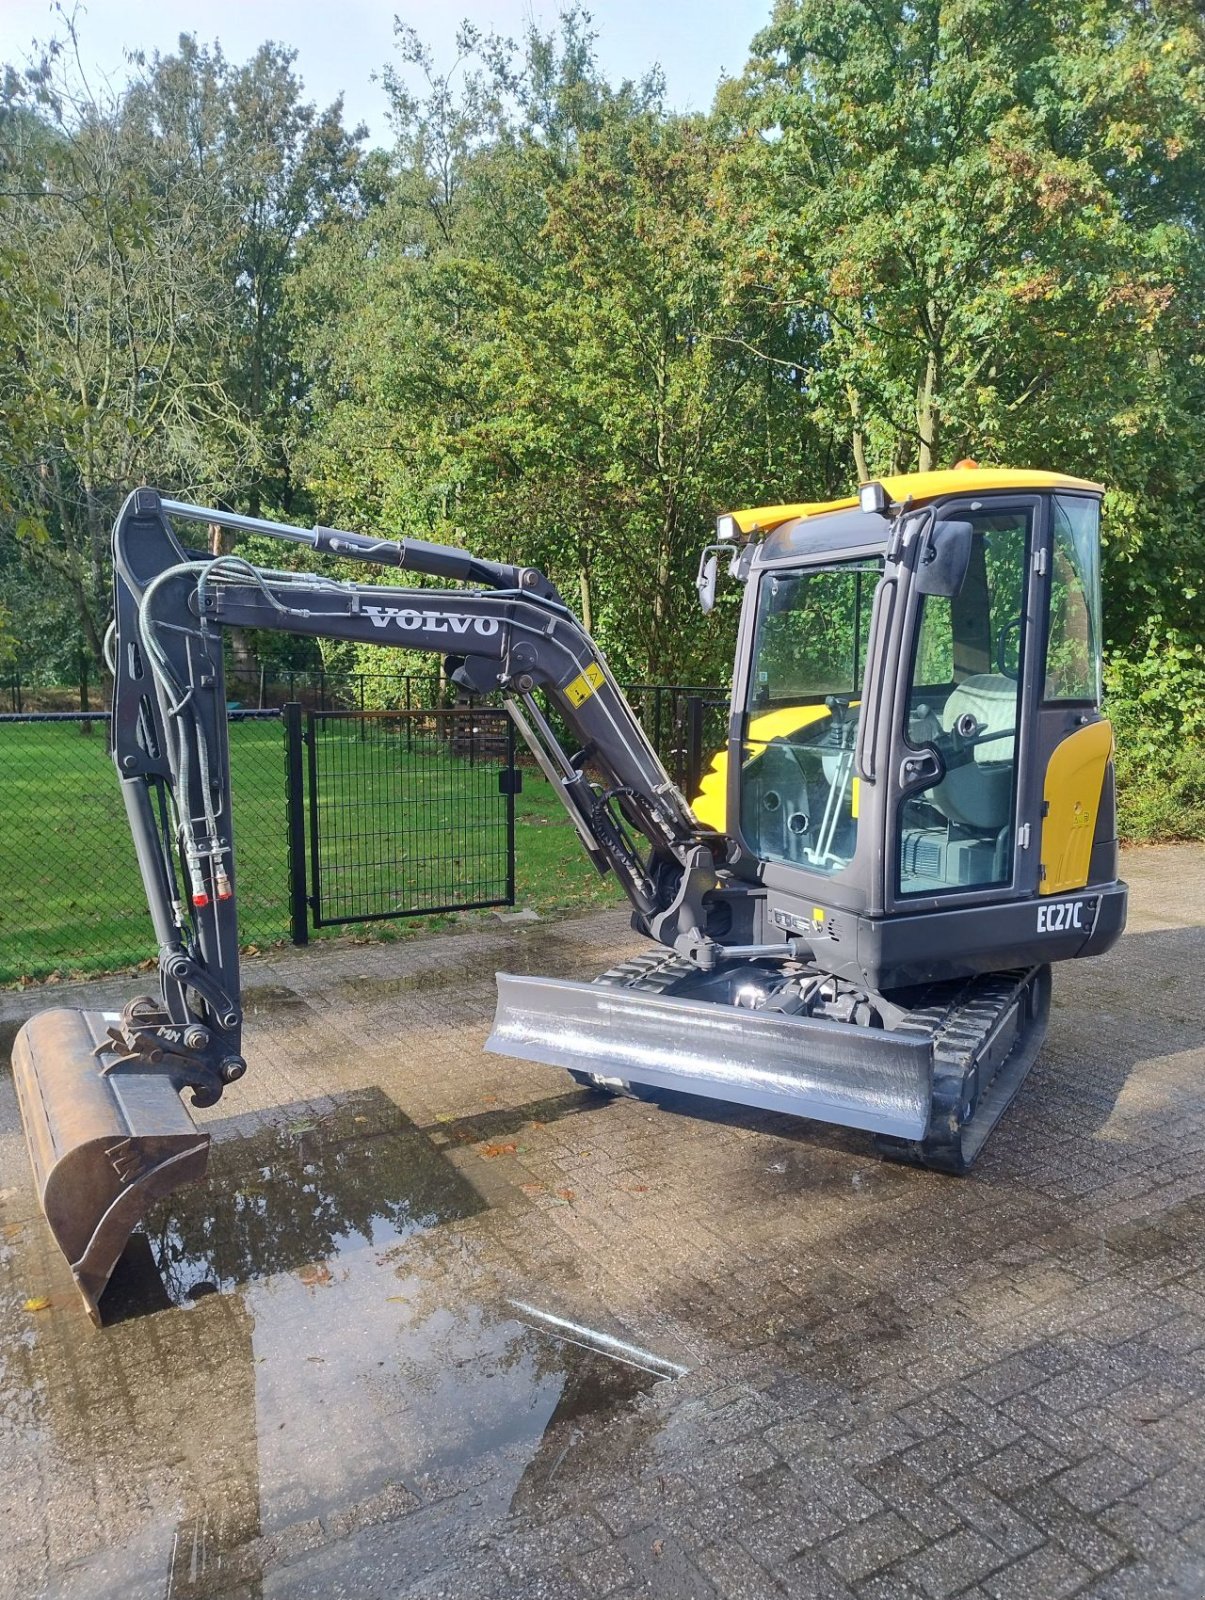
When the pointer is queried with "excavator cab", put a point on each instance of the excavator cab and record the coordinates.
(918, 747)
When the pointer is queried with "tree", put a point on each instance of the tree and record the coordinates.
(149, 236)
(279, 167)
(933, 196)
(530, 345)
(117, 329)
(990, 211)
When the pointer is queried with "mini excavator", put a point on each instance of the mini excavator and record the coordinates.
(855, 920)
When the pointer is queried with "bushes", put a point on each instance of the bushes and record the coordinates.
(1163, 804)
(1157, 706)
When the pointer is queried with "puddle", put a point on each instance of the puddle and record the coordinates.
(289, 1199)
(338, 1332)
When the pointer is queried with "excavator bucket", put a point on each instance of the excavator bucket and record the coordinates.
(103, 1147)
(866, 1078)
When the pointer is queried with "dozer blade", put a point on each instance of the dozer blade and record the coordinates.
(804, 1066)
(103, 1148)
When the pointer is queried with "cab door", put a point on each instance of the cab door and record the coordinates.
(961, 826)
(1074, 741)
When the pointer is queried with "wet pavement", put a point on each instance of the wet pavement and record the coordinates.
(443, 1324)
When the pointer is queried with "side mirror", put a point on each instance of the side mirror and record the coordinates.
(705, 582)
(944, 558)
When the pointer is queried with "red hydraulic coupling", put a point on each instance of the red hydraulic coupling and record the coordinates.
(200, 894)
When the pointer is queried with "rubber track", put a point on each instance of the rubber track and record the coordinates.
(960, 1023)
(960, 1030)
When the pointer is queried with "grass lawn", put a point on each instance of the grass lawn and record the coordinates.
(399, 827)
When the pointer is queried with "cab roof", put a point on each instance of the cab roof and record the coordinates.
(922, 486)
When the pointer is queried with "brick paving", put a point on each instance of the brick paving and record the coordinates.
(894, 1384)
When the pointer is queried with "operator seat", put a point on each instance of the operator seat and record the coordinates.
(978, 794)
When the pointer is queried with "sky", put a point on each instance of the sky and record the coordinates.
(342, 43)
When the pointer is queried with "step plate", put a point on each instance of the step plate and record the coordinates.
(102, 1148)
(803, 1066)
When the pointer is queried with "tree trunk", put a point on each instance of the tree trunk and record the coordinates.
(928, 412)
(859, 438)
(244, 668)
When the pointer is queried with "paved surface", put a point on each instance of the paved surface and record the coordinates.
(331, 1372)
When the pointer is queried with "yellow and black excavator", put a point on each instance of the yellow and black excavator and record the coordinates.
(855, 920)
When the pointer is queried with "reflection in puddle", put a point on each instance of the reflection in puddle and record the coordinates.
(350, 1343)
(294, 1198)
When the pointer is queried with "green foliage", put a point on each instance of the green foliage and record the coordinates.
(1157, 707)
(1166, 802)
(559, 324)
(146, 236)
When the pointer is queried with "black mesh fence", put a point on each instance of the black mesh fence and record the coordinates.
(70, 894)
(393, 813)
(685, 724)
(411, 811)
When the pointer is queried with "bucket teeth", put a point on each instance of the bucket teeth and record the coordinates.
(103, 1147)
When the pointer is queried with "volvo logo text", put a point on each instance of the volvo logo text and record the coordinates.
(432, 621)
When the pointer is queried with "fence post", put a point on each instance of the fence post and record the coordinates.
(84, 727)
(299, 923)
(694, 744)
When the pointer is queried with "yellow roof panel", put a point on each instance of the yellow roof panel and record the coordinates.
(921, 486)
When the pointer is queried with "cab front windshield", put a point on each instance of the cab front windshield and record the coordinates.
(799, 791)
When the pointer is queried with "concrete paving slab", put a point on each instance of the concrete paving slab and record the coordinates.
(412, 1338)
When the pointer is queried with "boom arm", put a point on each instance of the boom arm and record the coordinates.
(170, 745)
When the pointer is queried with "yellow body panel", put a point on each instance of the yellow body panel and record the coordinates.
(710, 805)
(921, 486)
(1075, 776)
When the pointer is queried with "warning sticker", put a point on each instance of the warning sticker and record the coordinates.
(584, 685)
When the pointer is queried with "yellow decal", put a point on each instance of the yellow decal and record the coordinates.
(584, 685)
(1075, 776)
(819, 915)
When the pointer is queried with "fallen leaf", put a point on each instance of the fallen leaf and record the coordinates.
(315, 1274)
(489, 1151)
(301, 1127)
(639, 1188)
(532, 1188)
(41, 1303)
(397, 1299)
(11, 1230)
(566, 1194)
(658, 1549)
(317, 1360)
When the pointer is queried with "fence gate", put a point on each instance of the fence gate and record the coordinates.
(410, 812)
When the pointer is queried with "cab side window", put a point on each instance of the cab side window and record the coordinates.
(1073, 648)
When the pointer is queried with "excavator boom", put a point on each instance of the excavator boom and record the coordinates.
(100, 1095)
